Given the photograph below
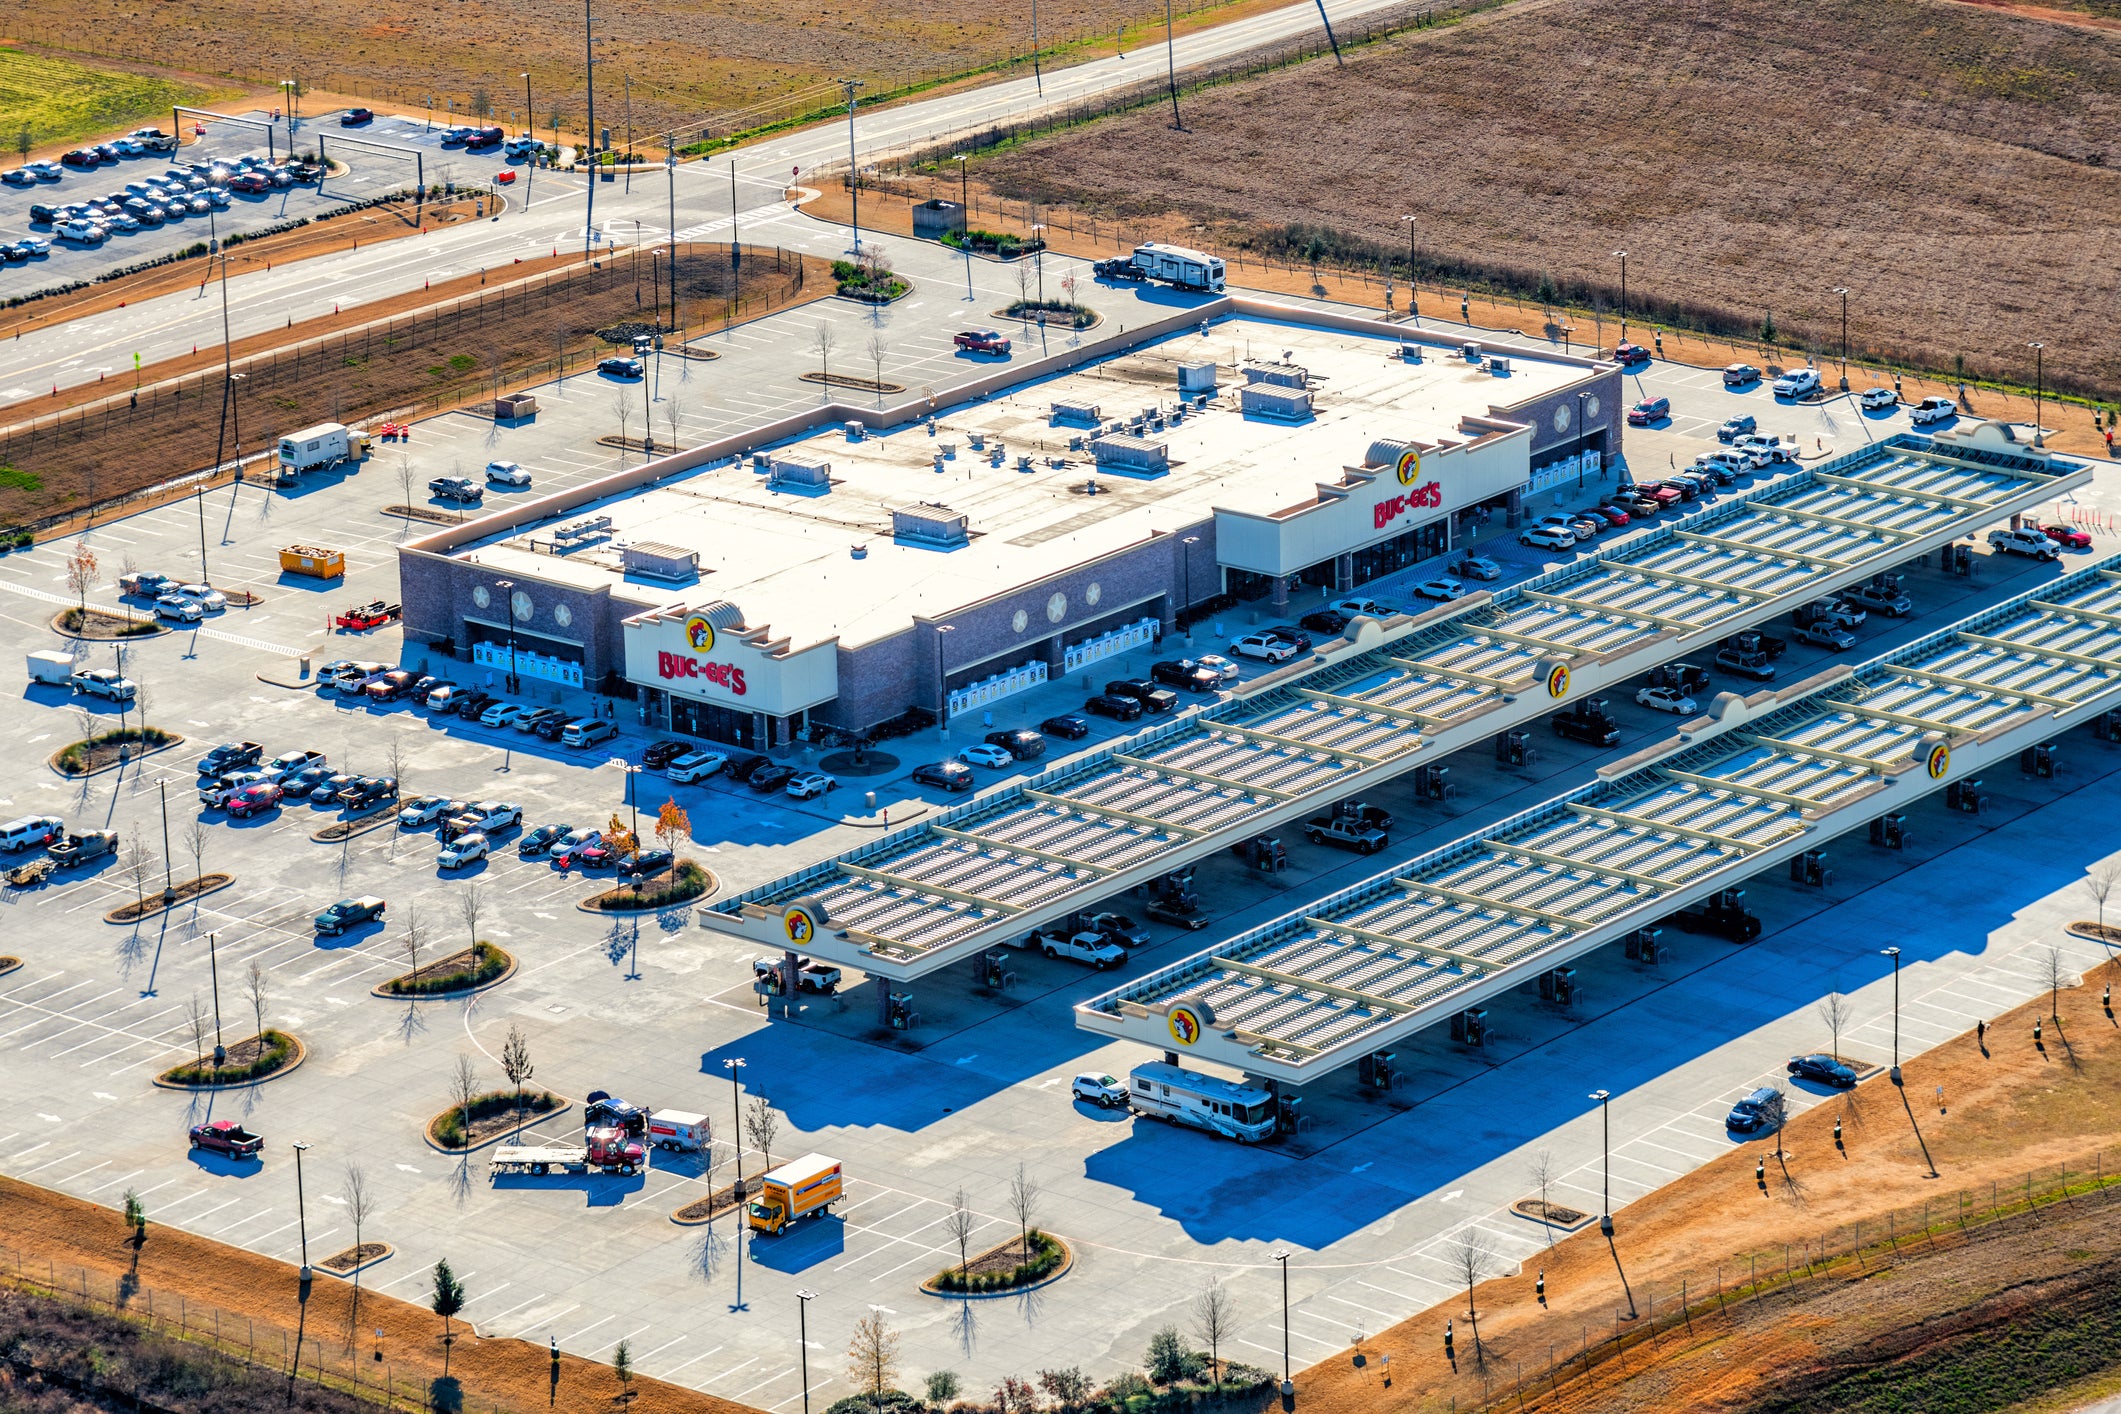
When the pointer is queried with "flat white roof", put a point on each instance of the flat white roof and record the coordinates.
(785, 558)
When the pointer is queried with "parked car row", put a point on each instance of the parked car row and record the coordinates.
(381, 683)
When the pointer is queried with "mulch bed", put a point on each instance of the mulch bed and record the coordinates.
(339, 830)
(458, 962)
(344, 1264)
(104, 756)
(722, 1200)
(866, 385)
(239, 1055)
(9, 964)
(153, 904)
(635, 444)
(1006, 1258)
(492, 1128)
(100, 627)
(2099, 933)
(426, 513)
(1550, 1214)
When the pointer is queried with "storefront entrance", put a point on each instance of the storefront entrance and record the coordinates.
(722, 724)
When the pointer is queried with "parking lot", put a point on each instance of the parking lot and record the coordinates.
(651, 1008)
(361, 173)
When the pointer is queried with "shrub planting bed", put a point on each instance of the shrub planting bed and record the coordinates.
(258, 1058)
(98, 625)
(460, 972)
(1009, 1267)
(85, 758)
(684, 884)
(492, 1115)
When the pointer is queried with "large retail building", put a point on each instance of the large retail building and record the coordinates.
(837, 573)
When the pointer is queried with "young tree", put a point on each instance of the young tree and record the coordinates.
(2099, 882)
(394, 763)
(822, 339)
(415, 939)
(446, 1300)
(942, 1387)
(1069, 1389)
(405, 484)
(878, 349)
(1474, 1261)
(359, 1204)
(959, 1224)
(138, 861)
(1774, 1114)
(24, 141)
(81, 572)
(673, 827)
(1167, 1360)
(619, 838)
(622, 1366)
(515, 1064)
(622, 409)
(675, 406)
(198, 1020)
(470, 905)
(1023, 1204)
(196, 839)
(1835, 1011)
(1014, 1395)
(872, 1358)
(135, 1217)
(1214, 1321)
(254, 987)
(463, 1089)
(1023, 288)
(1542, 1174)
(761, 1126)
(2054, 970)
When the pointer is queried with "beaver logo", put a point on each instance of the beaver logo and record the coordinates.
(1940, 760)
(699, 633)
(799, 927)
(1185, 1025)
(1558, 681)
(1409, 468)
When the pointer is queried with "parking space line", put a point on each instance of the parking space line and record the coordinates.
(671, 1373)
(569, 1339)
(102, 1163)
(113, 1183)
(197, 1218)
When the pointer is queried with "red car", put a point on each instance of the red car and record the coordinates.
(2067, 535)
(506, 178)
(354, 117)
(982, 341)
(81, 157)
(249, 182)
(596, 856)
(254, 800)
(1610, 513)
(1631, 353)
(1649, 410)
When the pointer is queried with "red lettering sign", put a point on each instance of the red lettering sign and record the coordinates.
(679, 665)
(1426, 496)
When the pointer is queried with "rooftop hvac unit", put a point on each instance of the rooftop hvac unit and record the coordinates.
(1196, 378)
(650, 560)
(788, 465)
(803, 478)
(582, 529)
(1280, 375)
(1131, 456)
(1498, 366)
(1066, 410)
(855, 431)
(933, 524)
(1270, 400)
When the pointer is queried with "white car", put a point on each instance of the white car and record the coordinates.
(424, 810)
(987, 754)
(696, 766)
(1478, 567)
(1374, 608)
(1797, 383)
(502, 714)
(1264, 646)
(1876, 399)
(1217, 664)
(1444, 589)
(178, 610)
(507, 474)
(1108, 1091)
(1665, 699)
(212, 600)
(1552, 537)
(809, 785)
(1932, 410)
(463, 850)
(1757, 447)
(572, 844)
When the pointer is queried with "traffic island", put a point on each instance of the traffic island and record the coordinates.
(96, 626)
(722, 1200)
(460, 974)
(1005, 1270)
(1554, 1215)
(356, 1259)
(162, 901)
(846, 380)
(2105, 934)
(9, 964)
(687, 882)
(249, 1062)
(426, 513)
(106, 751)
(493, 1118)
(339, 831)
(1070, 316)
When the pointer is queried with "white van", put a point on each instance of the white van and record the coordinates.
(31, 831)
(1245, 1113)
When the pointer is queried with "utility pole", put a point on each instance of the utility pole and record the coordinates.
(2039, 389)
(670, 169)
(629, 134)
(736, 247)
(854, 172)
(589, 66)
(228, 377)
(1623, 294)
(530, 130)
(1842, 290)
(1036, 76)
(1171, 67)
(169, 883)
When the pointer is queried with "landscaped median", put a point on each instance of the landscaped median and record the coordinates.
(112, 748)
(493, 1116)
(248, 1062)
(473, 970)
(686, 881)
(1025, 1261)
(98, 626)
(162, 900)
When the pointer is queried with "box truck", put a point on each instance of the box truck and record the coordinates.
(313, 448)
(50, 667)
(807, 1187)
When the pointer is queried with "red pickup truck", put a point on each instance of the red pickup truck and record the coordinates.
(982, 341)
(225, 1136)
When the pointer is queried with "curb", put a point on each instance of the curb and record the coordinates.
(301, 1054)
(1032, 326)
(145, 751)
(388, 1252)
(227, 880)
(1067, 1265)
(9, 964)
(588, 905)
(360, 825)
(427, 1130)
(160, 632)
(507, 972)
(275, 682)
(702, 1222)
(917, 808)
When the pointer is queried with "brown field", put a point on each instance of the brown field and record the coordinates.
(1957, 167)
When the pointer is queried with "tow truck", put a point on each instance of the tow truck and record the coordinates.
(373, 614)
(605, 1149)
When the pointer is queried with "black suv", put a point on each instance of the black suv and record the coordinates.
(1191, 678)
(1066, 728)
(661, 753)
(1125, 709)
(1022, 743)
(950, 775)
(470, 704)
(769, 777)
(1331, 621)
(741, 767)
(1148, 694)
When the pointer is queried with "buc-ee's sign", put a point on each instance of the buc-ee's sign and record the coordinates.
(699, 636)
(1426, 495)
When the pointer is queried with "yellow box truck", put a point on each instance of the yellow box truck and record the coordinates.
(808, 1187)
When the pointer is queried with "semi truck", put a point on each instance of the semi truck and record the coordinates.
(808, 1187)
(314, 448)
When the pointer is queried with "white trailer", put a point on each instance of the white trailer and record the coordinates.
(326, 444)
(1245, 1113)
(1176, 265)
(50, 667)
(678, 1131)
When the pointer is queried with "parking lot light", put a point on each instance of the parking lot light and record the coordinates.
(1605, 1114)
(302, 1210)
(1288, 1386)
(736, 1130)
(2039, 388)
(1894, 954)
(803, 1298)
(1842, 290)
(1623, 256)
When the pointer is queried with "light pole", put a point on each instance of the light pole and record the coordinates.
(1413, 290)
(1036, 76)
(169, 883)
(1894, 954)
(854, 172)
(288, 93)
(302, 1210)
(1842, 290)
(942, 681)
(1038, 230)
(1582, 436)
(508, 611)
(2039, 387)
(1604, 1099)
(803, 1298)
(736, 1114)
(1288, 1387)
(213, 968)
(1623, 294)
(1185, 560)
(963, 185)
(530, 130)
(1171, 67)
(589, 72)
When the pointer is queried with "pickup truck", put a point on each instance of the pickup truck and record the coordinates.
(1889, 602)
(145, 584)
(349, 913)
(1824, 634)
(225, 1136)
(2025, 540)
(1838, 612)
(80, 849)
(231, 756)
(102, 682)
(810, 976)
(1347, 831)
(1589, 722)
(1752, 640)
(1376, 817)
(1090, 949)
(217, 791)
(1119, 267)
(1747, 665)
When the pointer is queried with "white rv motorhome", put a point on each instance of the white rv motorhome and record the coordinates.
(1245, 1113)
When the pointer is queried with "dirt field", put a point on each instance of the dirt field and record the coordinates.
(1957, 167)
(2012, 1118)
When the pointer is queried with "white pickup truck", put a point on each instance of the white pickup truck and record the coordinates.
(2025, 540)
(1089, 949)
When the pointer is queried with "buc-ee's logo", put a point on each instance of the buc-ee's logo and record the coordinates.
(1558, 681)
(799, 927)
(1185, 1025)
(678, 665)
(699, 633)
(1408, 469)
(1426, 496)
(1940, 760)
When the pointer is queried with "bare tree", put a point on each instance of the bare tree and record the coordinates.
(405, 483)
(2054, 970)
(2099, 882)
(872, 1358)
(822, 339)
(198, 1020)
(878, 349)
(675, 406)
(1774, 1112)
(414, 940)
(394, 762)
(196, 838)
(359, 1205)
(959, 1224)
(515, 1064)
(138, 861)
(1023, 1205)
(622, 409)
(1023, 289)
(463, 1089)
(761, 1126)
(1473, 1259)
(1215, 1321)
(1543, 1176)
(254, 987)
(469, 907)
(1835, 1011)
